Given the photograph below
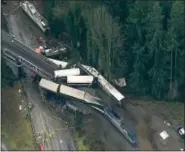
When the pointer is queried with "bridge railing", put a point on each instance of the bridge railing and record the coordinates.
(33, 67)
(29, 50)
(12, 57)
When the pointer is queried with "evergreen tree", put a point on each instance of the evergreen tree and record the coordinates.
(166, 9)
(156, 49)
(119, 9)
(136, 26)
(175, 45)
(7, 76)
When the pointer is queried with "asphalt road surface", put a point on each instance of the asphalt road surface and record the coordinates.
(45, 122)
(26, 53)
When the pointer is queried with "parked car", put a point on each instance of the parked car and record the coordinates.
(181, 132)
(42, 148)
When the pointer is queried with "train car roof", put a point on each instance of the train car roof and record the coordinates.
(49, 85)
(72, 92)
(80, 79)
(58, 62)
(67, 72)
(111, 89)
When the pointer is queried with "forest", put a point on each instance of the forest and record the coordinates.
(142, 41)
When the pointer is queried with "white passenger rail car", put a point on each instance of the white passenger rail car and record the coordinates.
(106, 86)
(79, 94)
(69, 91)
(90, 70)
(32, 12)
(59, 63)
(66, 72)
(49, 85)
(80, 80)
(110, 89)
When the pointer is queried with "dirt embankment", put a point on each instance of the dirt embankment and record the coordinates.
(16, 129)
(148, 127)
(142, 127)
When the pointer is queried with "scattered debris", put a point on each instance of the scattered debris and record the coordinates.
(167, 123)
(61, 141)
(20, 107)
(20, 91)
(30, 106)
(41, 48)
(120, 82)
(38, 50)
(164, 135)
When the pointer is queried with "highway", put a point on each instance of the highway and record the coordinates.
(42, 118)
(44, 121)
(27, 53)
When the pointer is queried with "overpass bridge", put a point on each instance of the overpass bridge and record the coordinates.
(16, 51)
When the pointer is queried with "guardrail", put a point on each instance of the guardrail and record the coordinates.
(9, 55)
(35, 68)
(28, 50)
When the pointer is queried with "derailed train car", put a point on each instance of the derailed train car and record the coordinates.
(66, 72)
(94, 102)
(106, 86)
(33, 13)
(71, 92)
(59, 63)
(80, 80)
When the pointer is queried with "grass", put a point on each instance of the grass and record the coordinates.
(16, 130)
(79, 140)
(171, 111)
(80, 144)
